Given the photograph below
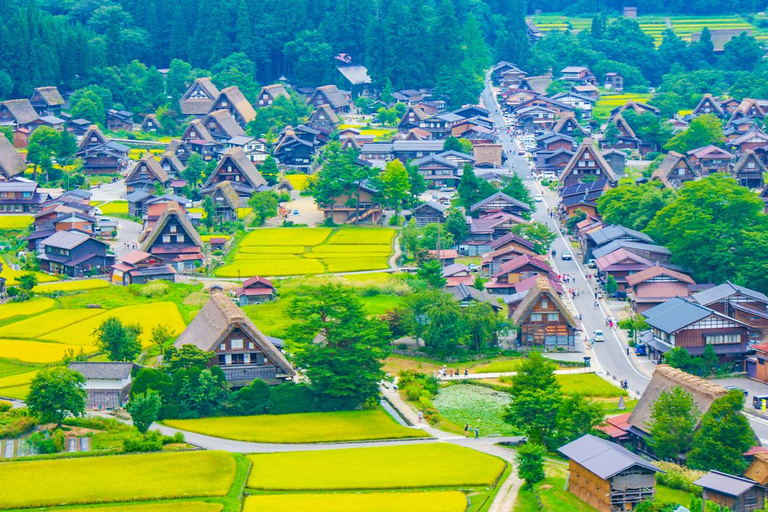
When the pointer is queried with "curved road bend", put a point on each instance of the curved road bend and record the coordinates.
(610, 356)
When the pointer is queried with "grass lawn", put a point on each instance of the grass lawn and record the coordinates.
(670, 495)
(40, 325)
(147, 315)
(316, 427)
(498, 366)
(15, 221)
(391, 467)
(115, 478)
(588, 384)
(437, 501)
(397, 364)
(114, 207)
(380, 304)
(71, 286)
(30, 307)
(34, 351)
(552, 494)
(158, 506)
(610, 406)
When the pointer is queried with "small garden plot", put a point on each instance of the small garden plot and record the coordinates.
(30, 307)
(34, 351)
(8, 222)
(39, 325)
(355, 264)
(277, 267)
(317, 427)
(115, 478)
(286, 236)
(440, 501)
(477, 406)
(71, 286)
(162, 506)
(270, 249)
(362, 236)
(390, 467)
(588, 384)
(147, 315)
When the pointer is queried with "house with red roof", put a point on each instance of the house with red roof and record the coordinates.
(505, 281)
(255, 291)
(656, 285)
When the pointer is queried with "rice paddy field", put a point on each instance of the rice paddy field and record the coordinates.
(318, 427)
(71, 286)
(176, 506)
(608, 102)
(116, 479)
(436, 501)
(307, 251)
(114, 208)
(654, 26)
(297, 181)
(415, 466)
(11, 275)
(8, 222)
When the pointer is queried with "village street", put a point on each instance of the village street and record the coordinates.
(612, 358)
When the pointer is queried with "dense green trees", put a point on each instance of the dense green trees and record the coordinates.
(673, 419)
(634, 206)
(702, 131)
(120, 342)
(55, 393)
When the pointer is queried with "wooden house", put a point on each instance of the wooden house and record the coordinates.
(255, 149)
(583, 197)
(675, 170)
(736, 493)
(500, 202)
(118, 120)
(560, 109)
(226, 201)
(502, 253)
(198, 98)
(619, 264)
(580, 102)
(429, 213)
(74, 254)
(11, 161)
(514, 271)
(754, 138)
(269, 93)
(18, 113)
(330, 95)
(578, 75)
(47, 101)
(20, 195)
(107, 385)
(511, 79)
(589, 91)
(710, 159)
(685, 323)
(487, 155)
(413, 117)
(93, 138)
(151, 124)
(78, 127)
(617, 160)
(544, 320)
(356, 79)
(537, 84)
(501, 67)
(749, 170)
(552, 163)
(146, 174)
(748, 107)
(239, 348)
(439, 171)
(296, 147)
(324, 119)
(614, 81)
(568, 125)
(222, 126)
(485, 229)
(656, 285)
(710, 105)
(626, 139)
(236, 168)
(137, 202)
(139, 267)
(458, 274)
(607, 476)
(445, 256)
(536, 119)
(347, 210)
(179, 148)
(465, 295)
(233, 100)
(758, 465)
(652, 252)
(551, 141)
(607, 234)
(738, 302)
(587, 164)
(109, 158)
(636, 107)
(171, 164)
(174, 240)
(255, 291)
(198, 139)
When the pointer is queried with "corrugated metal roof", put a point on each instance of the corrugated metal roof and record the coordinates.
(603, 458)
(725, 483)
(103, 371)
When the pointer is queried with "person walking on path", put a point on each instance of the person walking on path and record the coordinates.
(477, 433)
(466, 430)
(421, 415)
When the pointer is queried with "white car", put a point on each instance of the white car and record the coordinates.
(538, 198)
(97, 211)
(566, 256)
(598, 336)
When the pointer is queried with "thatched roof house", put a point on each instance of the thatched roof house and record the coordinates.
(11, 161)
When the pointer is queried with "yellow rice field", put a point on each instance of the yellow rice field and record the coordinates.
(438, 501)
(30, 307)
(40, 325)
(286, 236)
(161, 506)
(34, 351)
(71, 286)
(15, 221)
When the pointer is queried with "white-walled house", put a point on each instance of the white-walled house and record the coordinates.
(106, 384)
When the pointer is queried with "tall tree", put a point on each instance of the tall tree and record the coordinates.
(394, 186)
(702, 131)
(120, 342)
(673, 419)
(536, 398)
(56, 393)
(144, 409)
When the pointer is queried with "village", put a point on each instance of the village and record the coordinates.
(552, 296)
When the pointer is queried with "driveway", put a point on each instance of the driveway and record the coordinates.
(127, 234)
(109, 192)
(303, 211)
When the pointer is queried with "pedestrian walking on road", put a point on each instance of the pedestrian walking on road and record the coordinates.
(477, 433)
(627, 350)
(466, 372)
(421, 415)
(580, 318)
(466, 430)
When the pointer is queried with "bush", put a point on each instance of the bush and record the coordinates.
(152, 443)
(17, 423)
(291, 398)
(679, 477)
(413, 392)
(48, 442)
(154, 289)
(5, 406)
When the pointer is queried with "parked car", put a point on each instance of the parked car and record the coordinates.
(521, 152)
(473, 267)
(538, 198)
(566, 256)
(598, 335)
(641, 349)
(97, 211)
(744, 391)
(757, 401)
(618, 295)
(591, 263)
(105, 220)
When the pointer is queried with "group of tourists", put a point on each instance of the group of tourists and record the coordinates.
(446, 372)
(468, 431)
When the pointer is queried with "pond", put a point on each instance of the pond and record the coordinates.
(478, 406)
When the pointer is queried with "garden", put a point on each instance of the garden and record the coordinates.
(306, 251)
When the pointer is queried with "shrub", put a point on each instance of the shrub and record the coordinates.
(152, 443)
(17, 423)
(679, 477)
(413, 392)
(154, 289)
(292, 398)
(5, 406)
(48, 442)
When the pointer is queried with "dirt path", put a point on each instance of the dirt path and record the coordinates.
(398, 252)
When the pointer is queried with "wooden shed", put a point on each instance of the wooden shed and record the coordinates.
(607, 476)
(737, 493)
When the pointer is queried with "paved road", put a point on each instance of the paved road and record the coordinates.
(109, 192)
(611, 356)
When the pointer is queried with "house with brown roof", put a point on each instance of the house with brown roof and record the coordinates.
(118, 120)
(269, 93)
(749, 170)
(675, 170)
(198, 98)
(101, 155)
(146, 174)
(11, 161)
(94, 137)
(226, 201)
(614, 81)
(174, 240)
(620, 264)
(710, 159)
(18, 113)
(656, 285)
(731, 492)
(429, 213)
(754, 138)
(255, 291)
(347, 210)
(626, 138)
(222, 126)
(20, 195)
(544, 320)
(514, 271)
(151, 124)
(413, 117)
(637, 107)
(500, 202)
(330, 95)
(501, 67)
(47, 101)
(239, 348)
(233, 100)
(238, 169)
(751, 108)
(171, 164)
(710, 105)
(568, 125)
(197, 137)
(458, 274)
(324, 119)
(739, 302)
(587, 164)
(139, 267)
(296, 146)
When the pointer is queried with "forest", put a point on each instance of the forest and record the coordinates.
(75, 43)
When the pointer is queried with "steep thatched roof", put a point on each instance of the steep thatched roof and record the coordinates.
(22, 111)
(199, 106)
(587, 147)
(152, 167)
(11, 162)
(665, 378)
(217, 319)
(230, 194)
(50, 95)
(93, 131)
(173, 209)
(226, 122)
(238, 100)
(542, 287)
(239, 159)
(200, 130)
(758, 469)
(668, 165)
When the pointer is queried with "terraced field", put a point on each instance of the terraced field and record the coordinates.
(306, 251)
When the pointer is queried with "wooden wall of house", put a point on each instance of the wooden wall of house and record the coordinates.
(590, 488)
(721, 499)
(695, 337)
